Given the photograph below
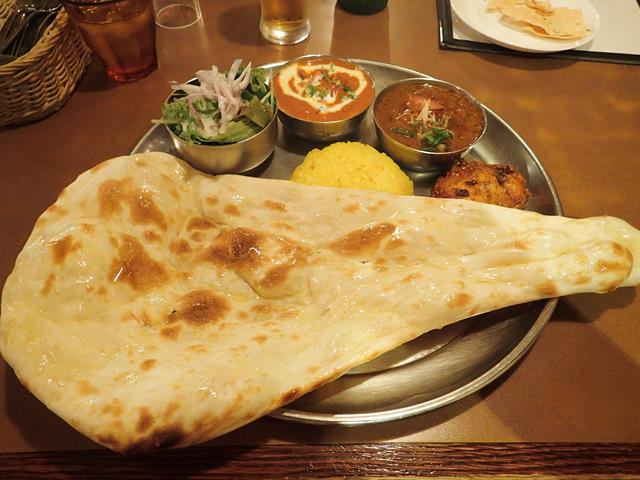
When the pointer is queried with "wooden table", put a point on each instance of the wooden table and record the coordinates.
(570, 406)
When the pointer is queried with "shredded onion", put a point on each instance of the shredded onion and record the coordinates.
(225, 90)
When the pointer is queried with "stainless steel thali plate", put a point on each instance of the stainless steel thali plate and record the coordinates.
(440, 367)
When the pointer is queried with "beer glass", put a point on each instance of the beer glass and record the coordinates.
(122, 34)
(284, 22)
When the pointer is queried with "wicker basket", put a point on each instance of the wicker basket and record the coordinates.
(41, 81)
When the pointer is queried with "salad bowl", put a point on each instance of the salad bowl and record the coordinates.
(223, 121)
(236, 157)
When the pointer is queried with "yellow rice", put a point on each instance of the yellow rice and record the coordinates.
(352, 165)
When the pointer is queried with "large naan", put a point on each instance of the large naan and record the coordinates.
(156, 306)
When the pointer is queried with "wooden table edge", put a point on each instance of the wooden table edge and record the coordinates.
(388, 460)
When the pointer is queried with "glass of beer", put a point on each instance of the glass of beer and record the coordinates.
(284, 22)
(122, 34)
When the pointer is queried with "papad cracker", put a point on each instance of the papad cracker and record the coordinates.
(541, 19)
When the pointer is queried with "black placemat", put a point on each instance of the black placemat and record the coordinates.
(447, 41)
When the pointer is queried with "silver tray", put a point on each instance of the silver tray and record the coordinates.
(440, 367)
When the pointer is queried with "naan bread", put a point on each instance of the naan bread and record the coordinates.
(156, 306)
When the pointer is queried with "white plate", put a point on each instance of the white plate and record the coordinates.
(474, 14)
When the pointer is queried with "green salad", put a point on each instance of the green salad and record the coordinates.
(220, 107)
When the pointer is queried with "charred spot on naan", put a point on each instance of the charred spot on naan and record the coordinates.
(199, 348)
(114, 408)
(363, 240)
(175, 194)
(283, 226)
(231, 209)
(143, 210)
(170, 411)
(145, 420)
(61, 248)
(459, 300)
(380, 264)
(200, 308)
(267, 310)
(351, 208)
(277, 275)
(179, 247)
(395, 242)
(48, 284)
(275, 205)
(270, 264)
(623, 253)
(548, 288)
(160, 437)
(412, 277)
(148, 364)
(245, 244)
(235, 246)
(135, 267)
(618, 265)
(290, 396)
(152, 236)
(200, 230)
(317, 381)
(171, 333)
(110, 195)
(87, 228)
(84, 388)
(198, 237)
(259, 339)
(199, 223)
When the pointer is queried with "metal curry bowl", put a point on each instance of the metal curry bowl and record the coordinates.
(320, 130)
(424, 160)
(230, 157)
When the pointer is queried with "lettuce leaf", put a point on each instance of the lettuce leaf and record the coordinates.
(258, 112)
(254, 116)
(177, 115)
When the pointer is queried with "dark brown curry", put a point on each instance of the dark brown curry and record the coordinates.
(429, 117)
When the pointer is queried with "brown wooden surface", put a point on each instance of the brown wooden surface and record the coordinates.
(418, 460)
(579, 383)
